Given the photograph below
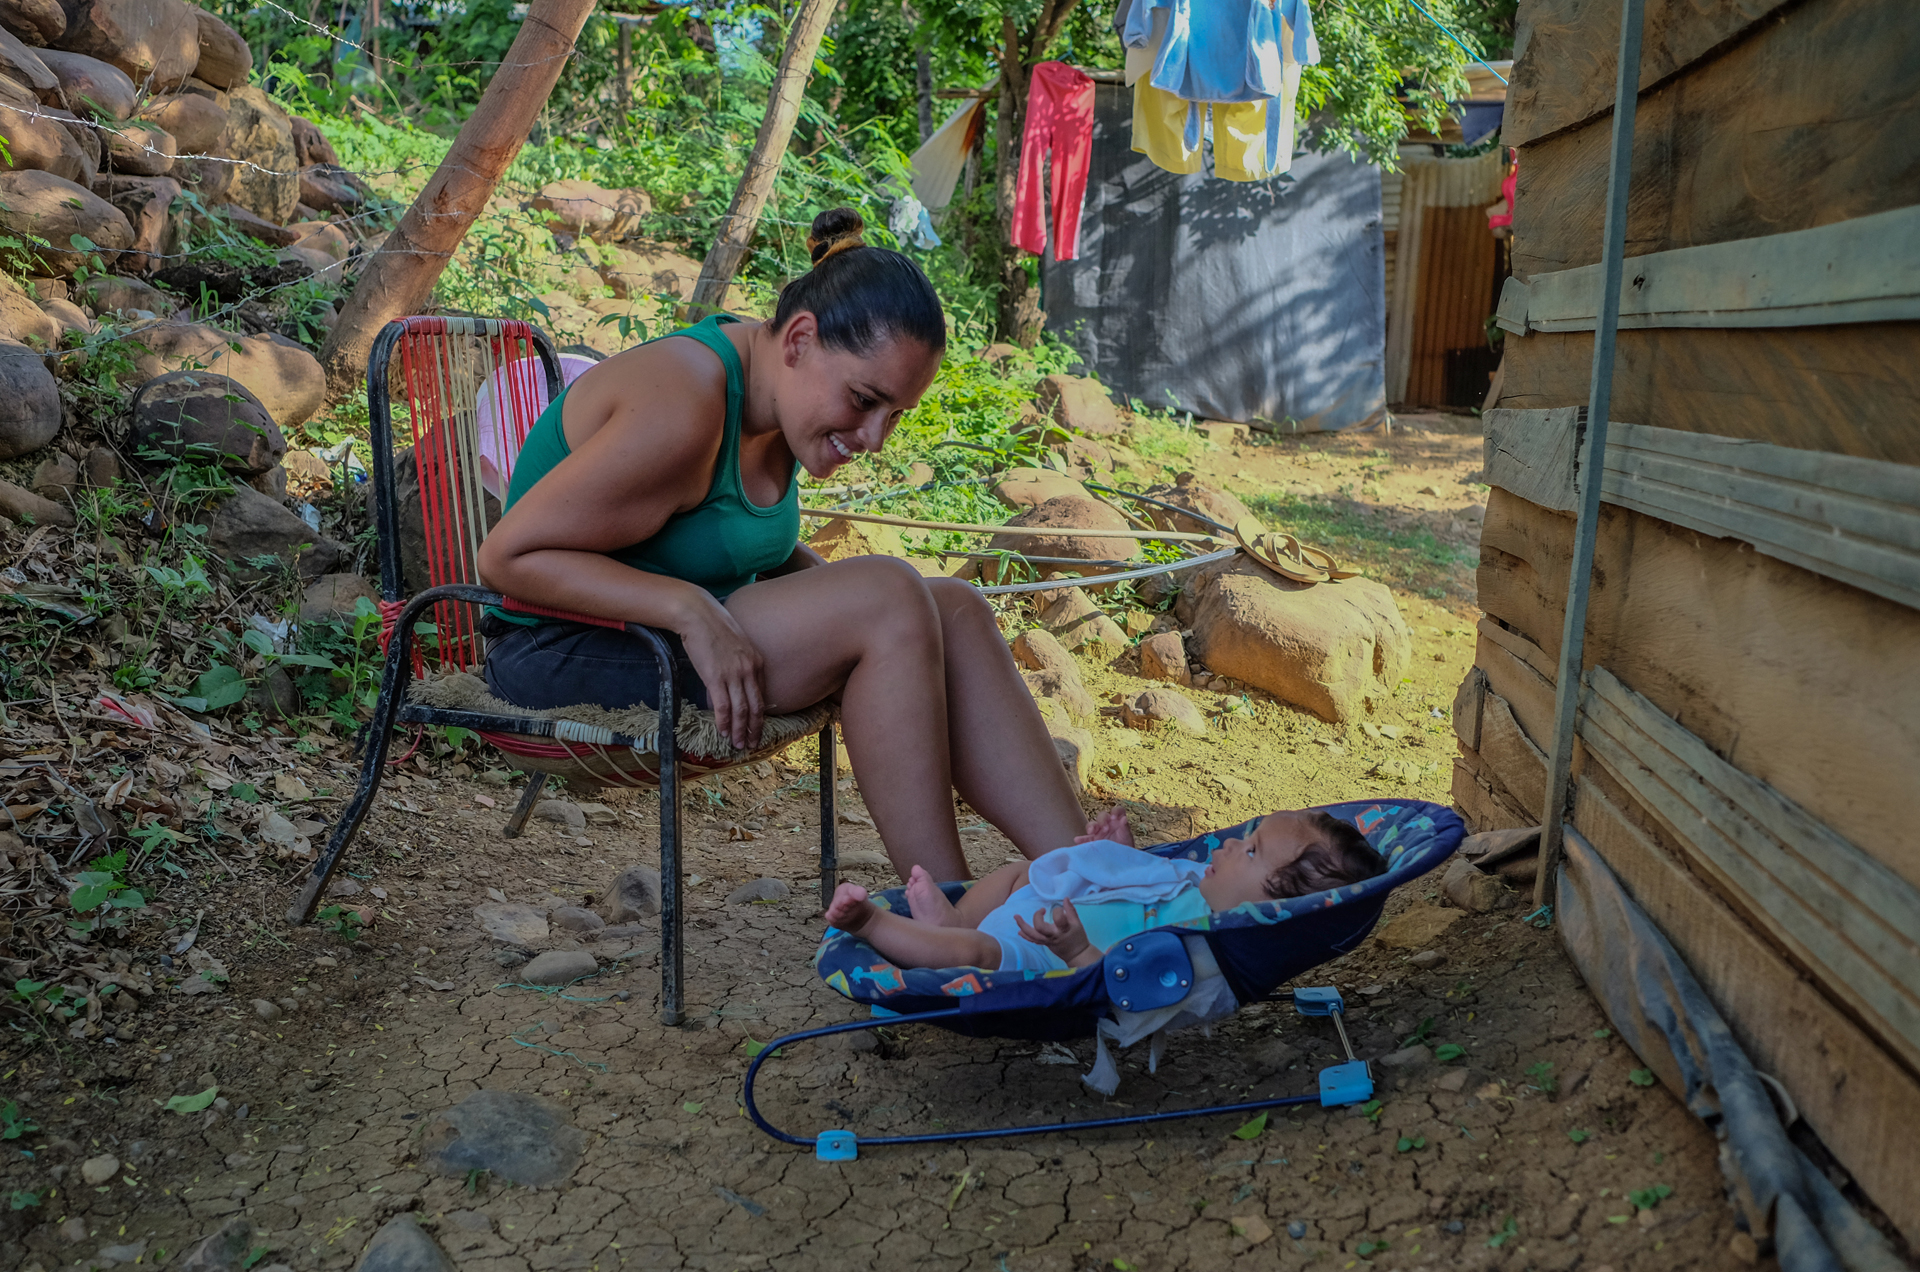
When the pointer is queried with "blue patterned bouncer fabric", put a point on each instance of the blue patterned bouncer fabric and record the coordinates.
(1258, 947)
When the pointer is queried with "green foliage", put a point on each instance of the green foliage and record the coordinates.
(1410, 1144)
(1372, 1109)
(21, 1199)
(1252, 1128)
(14, 1123)
(184, 1104)
(104, 887)
(1367, 1249)
(1579, 1136)
(1642, 1077)
(1419, 1035)
(1507, 1232)
(1648, 1198)
(1541, 1072)
(343, 921)
(1448, 1052)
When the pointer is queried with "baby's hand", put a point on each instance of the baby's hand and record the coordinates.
(1060, 932)
(1111, 824)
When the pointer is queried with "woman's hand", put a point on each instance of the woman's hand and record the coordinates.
(729, 665)
(1061, 932)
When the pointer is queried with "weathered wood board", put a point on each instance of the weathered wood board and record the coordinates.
(1852, 390)
(1854, 1095)
(1566, 55)
(1809, 119)
(1809, 685)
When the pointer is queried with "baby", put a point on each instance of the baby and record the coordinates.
(1120, 891)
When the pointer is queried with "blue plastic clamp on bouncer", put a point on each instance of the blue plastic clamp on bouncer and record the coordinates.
(1340, 1084)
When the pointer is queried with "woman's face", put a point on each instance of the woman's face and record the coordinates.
(833, 404)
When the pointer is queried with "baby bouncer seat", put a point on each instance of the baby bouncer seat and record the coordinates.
(1165, 979)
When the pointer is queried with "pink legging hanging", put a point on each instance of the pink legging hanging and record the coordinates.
(1060, 118)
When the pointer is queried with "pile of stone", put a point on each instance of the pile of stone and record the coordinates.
(601, 249)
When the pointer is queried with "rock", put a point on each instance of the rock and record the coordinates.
(224, 1251)
(1453, 1080)
(559, 967)
(102, 467)
(1080, 624)
(1427, 958)
(1406, 1057)
(322, 236)
(73, 1230)
(17, 503)
(1025, 488)
(92, 89)
(1068, 513)
(39, 138)
(328, 188)
(267, 1011)
(838, 540)
(206, 416)
(600, 815)
(54, 476)
(1164, 657)
(563, 811)
(520, 1138)
(283, 376)
(581, 207)
(510, 958)
(1068, 691)
(1074, 746)
(26, 68)
(98, 1170)
(1276, 1055)
(276, 696)
(1297, 1229)
(225, 58)
(1252, 1228)
(1472, 889)
(254, 226)
(247, 524)
(647, 269)
(576, 919)
(1152, 707)
(335, 597)
(22, 320)
(38, 22)
(155, 42)
(1085, 457)
(268, 182)
(1416, 927)
(68, 316)
(139, 149)
(1081, 404)
(55, 209)
(198, 124)
(1744, 1248)
(401, 1246)
(1218, 505)
(760, 890)
(29, 402)
(1335, 649)
(127, 297)
(635, 894)
(511, 923)
(1039, 650)
(310, 145)
(1498, 843)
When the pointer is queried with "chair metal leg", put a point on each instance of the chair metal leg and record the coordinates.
(672, 917)
(829, 830)
(536, 783)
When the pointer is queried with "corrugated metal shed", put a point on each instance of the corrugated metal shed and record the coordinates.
(1427, 302)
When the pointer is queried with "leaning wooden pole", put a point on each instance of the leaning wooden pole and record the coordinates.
(400, 278)
(769, 148)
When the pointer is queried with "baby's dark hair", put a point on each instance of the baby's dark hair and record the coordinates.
(861, 295)
(1342, 856)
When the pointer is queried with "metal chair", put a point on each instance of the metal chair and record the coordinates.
(473, 387)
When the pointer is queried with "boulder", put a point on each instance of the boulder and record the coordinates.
(1037, 650)
(69, 316)
(1065, 690)
(760, 890)
(128, 297)
(20, 504)
(21, 320)
(260, 133)
(254, 226)
(1151, 708)
(29, 402)
(1164, 657)
(634, 894)
(327, 188)
(37, 22)
(1025, 488)
(559, 967)
(198, 124)
(1068, 513)
(1201, 498)
(645, 269)
(1081, 404)
(1474, 890)
(93, 89)
(837, 540)
(310, 145)
(102, 467)
(247, 525)
(1074, 746)
(1085, 457)
(583, 208)
(138, 149)
(225, 59)
(200, 415)
(147, 203)
(322, 236)
(55, 209)
(25, 67)
(285, 377)
(1080, 624)
(54, 476)
(402, 1245)
(156, 42)
(39, 140)
(1336, 649)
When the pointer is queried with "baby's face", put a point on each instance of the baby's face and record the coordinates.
(1239, 868)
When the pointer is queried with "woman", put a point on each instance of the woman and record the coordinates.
(662, 488)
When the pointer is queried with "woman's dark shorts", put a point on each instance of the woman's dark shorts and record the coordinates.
(560, 664)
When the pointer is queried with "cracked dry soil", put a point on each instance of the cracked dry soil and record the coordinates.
(674, 1175)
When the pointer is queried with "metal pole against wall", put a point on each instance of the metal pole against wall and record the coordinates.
(1593, 450)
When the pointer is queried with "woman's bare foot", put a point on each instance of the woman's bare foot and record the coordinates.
(930, 905)
(1111, 824)
(850, 911)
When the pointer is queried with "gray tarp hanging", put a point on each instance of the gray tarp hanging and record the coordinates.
(1233, 300)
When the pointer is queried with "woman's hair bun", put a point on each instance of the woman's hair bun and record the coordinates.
(834, 230)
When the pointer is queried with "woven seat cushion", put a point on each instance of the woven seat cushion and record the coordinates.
(702, 748)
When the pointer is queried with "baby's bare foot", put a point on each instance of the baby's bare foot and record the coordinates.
(930, 905)
(1111, 824)
(850, 911)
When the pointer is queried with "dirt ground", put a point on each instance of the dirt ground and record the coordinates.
(1535, 1148)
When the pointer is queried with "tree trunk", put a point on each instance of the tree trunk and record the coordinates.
(769, 148)
(399, 280)
(626, 64)
(923, 88)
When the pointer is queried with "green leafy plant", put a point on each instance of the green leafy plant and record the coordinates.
(343, 921)
(1419, 1035)
(1372, 1109)
(1507, 1232)
(1410, 1144)
(1541, 1072)
(1648, 1198)
(1448, 1052)
(1642, 1077)
(21, 1199)
(14, 1123)
(103, 888)
(1579, 1136)
(1366, 1249)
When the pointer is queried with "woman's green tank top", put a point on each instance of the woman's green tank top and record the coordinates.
(721, 545)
